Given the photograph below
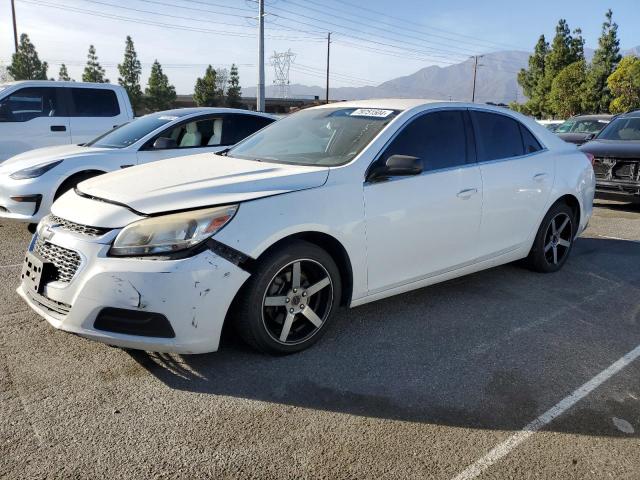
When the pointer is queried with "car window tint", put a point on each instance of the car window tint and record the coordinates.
(438, 138)
(243, 125)
(28, 103)
(497, 136)
(531, 145)
(94, 102)
(622, 129)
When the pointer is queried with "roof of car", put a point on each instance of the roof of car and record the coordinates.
(593, 117)
(631, 114)
(390, 103)
(55, 83)
(181, 112)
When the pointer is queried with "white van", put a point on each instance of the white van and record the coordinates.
(41, 113)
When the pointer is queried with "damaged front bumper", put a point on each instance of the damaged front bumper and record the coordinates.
(193, 294)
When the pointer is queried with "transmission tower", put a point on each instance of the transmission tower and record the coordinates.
(281, 63)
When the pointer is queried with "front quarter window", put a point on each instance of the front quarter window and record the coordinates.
(320, 136)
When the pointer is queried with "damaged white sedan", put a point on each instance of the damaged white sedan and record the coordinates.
(341, 204)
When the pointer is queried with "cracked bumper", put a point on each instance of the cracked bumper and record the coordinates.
(194, 294)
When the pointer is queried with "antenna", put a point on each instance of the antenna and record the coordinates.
(281, 63)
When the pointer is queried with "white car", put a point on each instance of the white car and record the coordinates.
(43, 113)
(31, 181)
(343, 203)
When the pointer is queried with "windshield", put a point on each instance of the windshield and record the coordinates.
(129, 133)
(582, 126)
(324, 136)
(622, 129)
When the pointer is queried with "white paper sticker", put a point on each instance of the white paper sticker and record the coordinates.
(371, 112)
(167, 117)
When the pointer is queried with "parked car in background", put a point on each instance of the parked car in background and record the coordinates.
(31, 181)
(616, 158)
(42, 113)
(344, 203)
(582, 128)
(550, 125)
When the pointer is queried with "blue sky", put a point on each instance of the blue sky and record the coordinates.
(381, 40)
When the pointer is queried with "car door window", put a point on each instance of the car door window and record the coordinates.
(94, 102)
(241, 126)
(438, 138)
(497, 136)
(28, 103)
(193, 134)
(531, 145)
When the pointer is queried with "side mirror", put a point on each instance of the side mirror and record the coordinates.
(397, 166)
(589, 137)
(164, 143)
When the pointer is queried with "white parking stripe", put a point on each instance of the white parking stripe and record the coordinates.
(15, 265)
(475, 469)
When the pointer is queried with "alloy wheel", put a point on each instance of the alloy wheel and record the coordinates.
(557, 239)
(297, 301)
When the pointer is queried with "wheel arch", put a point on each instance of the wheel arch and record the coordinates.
(333, 247)
(573, 203)
(76, 177)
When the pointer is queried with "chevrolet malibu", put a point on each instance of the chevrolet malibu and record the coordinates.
(340, 204)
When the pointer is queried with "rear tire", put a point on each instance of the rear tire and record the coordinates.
(287, 304)
(554, 240)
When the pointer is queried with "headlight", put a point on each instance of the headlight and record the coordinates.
(33, 172)
(170, 233)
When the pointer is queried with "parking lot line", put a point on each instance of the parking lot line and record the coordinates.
(475, 469)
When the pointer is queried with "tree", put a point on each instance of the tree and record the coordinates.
(63, 75)
(25, 64)
(605, 59)
(130, 71)
(222, 78)
(531, 80)
(233, 88)
(624, 85)
(567, 90)
(160, 94)
(93, 71)
(206, 93)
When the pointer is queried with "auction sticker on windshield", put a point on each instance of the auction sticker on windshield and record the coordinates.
(371, 112)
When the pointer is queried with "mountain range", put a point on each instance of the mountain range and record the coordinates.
(496, 81)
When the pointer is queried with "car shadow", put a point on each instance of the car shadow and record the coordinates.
(491, 350)
(617, 206)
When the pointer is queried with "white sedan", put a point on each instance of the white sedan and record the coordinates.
(341, 204)
(31, 181)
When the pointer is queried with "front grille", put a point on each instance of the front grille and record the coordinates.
(66, 261)
(53, 305)
(76, 227)
(623, 169)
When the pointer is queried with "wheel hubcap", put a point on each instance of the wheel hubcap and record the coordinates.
(297, 302)
(558, 239)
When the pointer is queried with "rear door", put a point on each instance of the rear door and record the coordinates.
(93, 112)
(32, 117)
(423, 225)
(517, 176)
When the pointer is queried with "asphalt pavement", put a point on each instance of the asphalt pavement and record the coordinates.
(435, 383)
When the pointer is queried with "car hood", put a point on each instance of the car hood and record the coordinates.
(198, 181)
(47, 154)
(577, 138)
(613, 148)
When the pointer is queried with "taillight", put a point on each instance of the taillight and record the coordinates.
(591, 158)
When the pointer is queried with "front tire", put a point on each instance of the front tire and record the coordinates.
(554, 240)
(287, 304)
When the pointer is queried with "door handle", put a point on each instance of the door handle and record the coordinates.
(58, 128)
(467, 192)
(126, 166)
(539, 177)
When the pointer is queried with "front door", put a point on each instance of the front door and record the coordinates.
(423, 225)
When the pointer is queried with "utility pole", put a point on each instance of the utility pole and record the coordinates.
(328, 52)
(475, 73)
(15, 30)
(260, 90)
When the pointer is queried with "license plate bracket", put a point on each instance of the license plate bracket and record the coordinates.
(37, 272)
